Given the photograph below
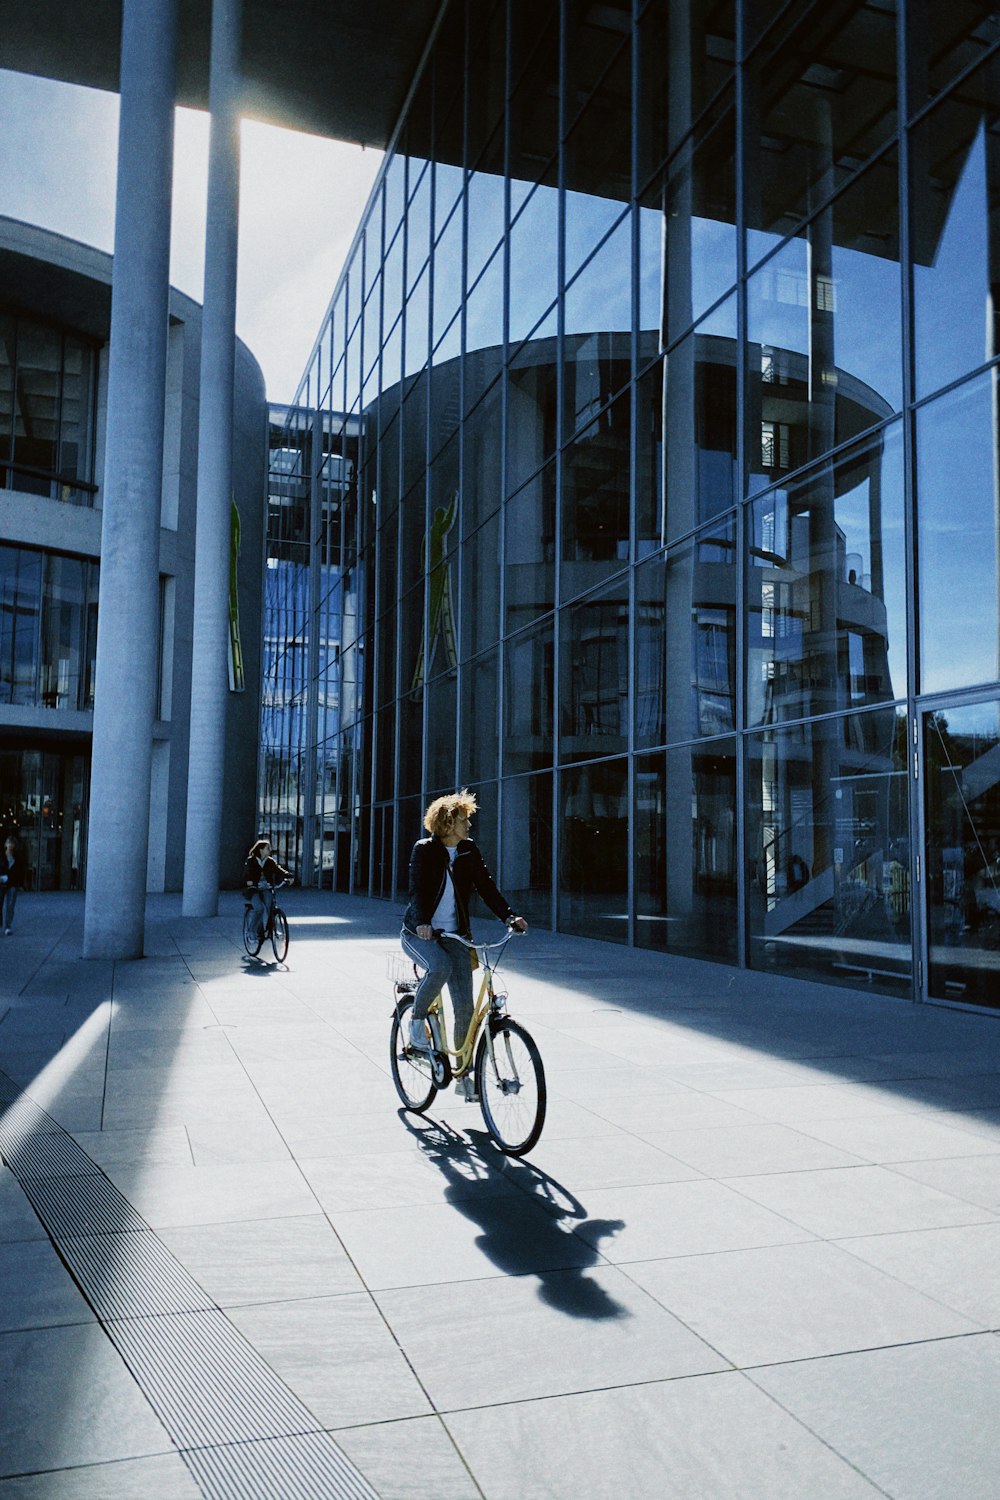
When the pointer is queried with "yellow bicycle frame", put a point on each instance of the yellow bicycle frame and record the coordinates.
(462, 1057)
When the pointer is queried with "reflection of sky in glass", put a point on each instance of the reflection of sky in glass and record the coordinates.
(866, 347)
(588, 219)
(600, 300)
(853, 518)
(650, 267)
(485, 219)
(951, 295)
(533, 261)
(957, 512)
(713, 262)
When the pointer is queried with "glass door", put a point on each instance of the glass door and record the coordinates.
(962, 842)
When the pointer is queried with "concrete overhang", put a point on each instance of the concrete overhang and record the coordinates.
(335, 68)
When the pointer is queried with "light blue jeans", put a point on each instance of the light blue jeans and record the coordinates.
(263, 900)
(445, 962)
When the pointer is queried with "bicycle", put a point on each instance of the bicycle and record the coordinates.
(274, 926)
(509, 1078)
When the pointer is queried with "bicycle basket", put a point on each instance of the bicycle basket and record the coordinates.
(399, 968)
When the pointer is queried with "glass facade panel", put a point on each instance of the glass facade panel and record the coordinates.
(593, 850)
(593, 687)
(820, 101)
(958, 453)
(527, 846)
(534, 261)
(595, 503)
(479, 753)
(819, 371)
(528, 700)
(955, 169)
(600, 299)
(828, 845)
(529, 550)
(442, 718)
(686, 56)
(685, 851)
(685, 632)
(699, 423)
(826, 592)
(962, 756)
(699, 202)
(47, 411)
(48, 629)
(480, 614)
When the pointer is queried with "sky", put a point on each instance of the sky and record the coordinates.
(301, 200)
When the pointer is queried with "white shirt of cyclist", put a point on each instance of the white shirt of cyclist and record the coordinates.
(446, 912)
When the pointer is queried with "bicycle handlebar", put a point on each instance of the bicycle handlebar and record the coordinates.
(483, 947)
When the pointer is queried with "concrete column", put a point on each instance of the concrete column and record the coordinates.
(128, 628)
(310, 873)
(210, 666)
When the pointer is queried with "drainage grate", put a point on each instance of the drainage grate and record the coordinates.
(292, 1468)
(242, 1433)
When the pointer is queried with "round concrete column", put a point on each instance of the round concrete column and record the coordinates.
(210, 663)
(129, 616)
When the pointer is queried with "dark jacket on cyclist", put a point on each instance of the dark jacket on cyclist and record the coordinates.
(428, 873)
(255, 871)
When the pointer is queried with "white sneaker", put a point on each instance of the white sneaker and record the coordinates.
(465, 1088)
(418, 1035)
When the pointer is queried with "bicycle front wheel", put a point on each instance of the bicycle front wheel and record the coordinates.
(253, 935)
(510, 1081)
(411, 1071)
(279, 934)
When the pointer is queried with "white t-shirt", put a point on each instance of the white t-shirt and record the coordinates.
(445, 918)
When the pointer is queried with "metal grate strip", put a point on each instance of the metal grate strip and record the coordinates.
(131, 1276)
(293, 1468)
(205, 1381)
(82, 1205)
(49, 1155)
(243, 1434)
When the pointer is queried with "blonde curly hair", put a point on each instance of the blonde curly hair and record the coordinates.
(440, 817)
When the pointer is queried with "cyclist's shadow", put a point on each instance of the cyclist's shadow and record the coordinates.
(515, 1242)
(261, 967)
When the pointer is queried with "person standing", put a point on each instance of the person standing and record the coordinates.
(444, 871)
(11, 881)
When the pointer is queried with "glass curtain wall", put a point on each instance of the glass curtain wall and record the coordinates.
(667, 352)
(47, 410)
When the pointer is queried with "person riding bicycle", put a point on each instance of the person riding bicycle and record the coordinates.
(261, 872)
(444, 871)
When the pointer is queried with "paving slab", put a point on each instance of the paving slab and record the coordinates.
(755, 1206)
(919, 1421)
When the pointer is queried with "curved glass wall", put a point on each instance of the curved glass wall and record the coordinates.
(47, 410)
(667, 512)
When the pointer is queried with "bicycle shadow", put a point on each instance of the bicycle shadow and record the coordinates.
(523, 1240)
(260, 968)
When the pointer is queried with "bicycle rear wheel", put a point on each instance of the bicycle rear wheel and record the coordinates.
(511, 1087)
(253, 932)
(279, 934)
(411, 1071)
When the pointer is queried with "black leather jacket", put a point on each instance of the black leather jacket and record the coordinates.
(428, 872)
(270, 871)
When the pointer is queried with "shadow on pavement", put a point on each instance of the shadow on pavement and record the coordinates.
(520, 1241)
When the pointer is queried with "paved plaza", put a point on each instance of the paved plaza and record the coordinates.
(753, 1257)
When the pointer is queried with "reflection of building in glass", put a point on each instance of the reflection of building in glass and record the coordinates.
(723, 558)
(54, 319)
